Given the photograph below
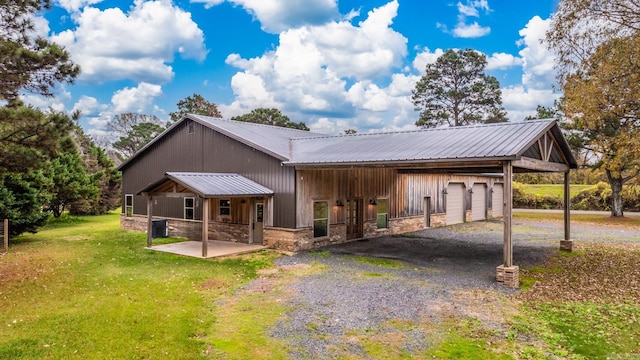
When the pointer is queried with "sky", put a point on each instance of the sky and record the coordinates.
(332, 64)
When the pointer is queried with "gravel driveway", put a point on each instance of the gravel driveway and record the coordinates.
(440, 274)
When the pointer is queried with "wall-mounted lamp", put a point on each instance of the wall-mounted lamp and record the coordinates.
(339, 203)
(373, 202)
(445, 191)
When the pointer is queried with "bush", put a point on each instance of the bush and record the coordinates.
(525, 200)
(596, 197)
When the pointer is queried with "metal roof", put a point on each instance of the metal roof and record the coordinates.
(209, 185)
(494, 141)
(273, 140)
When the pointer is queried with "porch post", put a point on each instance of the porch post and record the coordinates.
(507, 273)
(567, 243)
(205, 227)
(149, 219)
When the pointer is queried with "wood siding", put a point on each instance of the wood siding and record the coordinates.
(205, 150)
(406, 191)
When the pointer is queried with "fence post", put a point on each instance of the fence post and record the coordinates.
(5, 235)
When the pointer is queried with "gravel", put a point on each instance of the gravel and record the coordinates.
(445, 273)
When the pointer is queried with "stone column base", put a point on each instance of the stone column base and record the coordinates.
(566, 245)
(508, 276)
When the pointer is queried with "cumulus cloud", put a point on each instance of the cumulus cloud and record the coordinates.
(89, 106)
(276, 16)
(425, 58)
(464, 29)
(538, 73)
(135, 99)
(138, 45)
(75, 5)
(502, 61)
(310, 68)
(538, 61)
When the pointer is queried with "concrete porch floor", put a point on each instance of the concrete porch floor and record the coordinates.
(216, 248)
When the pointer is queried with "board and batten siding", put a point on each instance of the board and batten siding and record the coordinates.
(406, 191)
(205, 150)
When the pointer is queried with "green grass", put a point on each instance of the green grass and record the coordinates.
(602, 219)
(381, 262)
(84, 289)
(553, 189)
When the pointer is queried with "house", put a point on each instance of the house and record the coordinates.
(295, 190)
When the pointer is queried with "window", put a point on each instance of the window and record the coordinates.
(383, 214)
(320, 218)
(189, 204)
(128, 205)
(192, 129)
(225, 207)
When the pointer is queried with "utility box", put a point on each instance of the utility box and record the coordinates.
(159, 228)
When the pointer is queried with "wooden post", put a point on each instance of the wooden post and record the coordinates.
(567, 243)
(149, 219)
(5, 235)
(567, 207)
(205, 227)
(508, 207)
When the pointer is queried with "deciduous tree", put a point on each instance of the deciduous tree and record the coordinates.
(455, 91)
(195, 104)
(602, 101)
(272, 117)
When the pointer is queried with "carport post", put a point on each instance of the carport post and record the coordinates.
(507, 273)
(149, 219)
(508, 206)
(205, 227)
(567, 243)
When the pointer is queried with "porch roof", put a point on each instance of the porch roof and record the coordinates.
(207, 185)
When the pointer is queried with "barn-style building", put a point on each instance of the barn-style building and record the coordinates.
(295, 190)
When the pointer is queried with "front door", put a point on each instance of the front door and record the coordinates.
(258, 219)
(354, 219)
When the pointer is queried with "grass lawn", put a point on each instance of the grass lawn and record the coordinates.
(556, 190)
(84, 289)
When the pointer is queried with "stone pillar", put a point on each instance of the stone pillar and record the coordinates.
(508, 276)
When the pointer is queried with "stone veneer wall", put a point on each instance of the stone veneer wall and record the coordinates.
(190, 229)
(229, 232)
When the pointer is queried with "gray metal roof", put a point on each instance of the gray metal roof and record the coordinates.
(209, 185)
(273, 140)
(494, 141)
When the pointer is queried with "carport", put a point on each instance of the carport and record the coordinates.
(519, 147)
(204, 186)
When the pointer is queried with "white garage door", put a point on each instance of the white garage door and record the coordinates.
(455, 204)
(497, 200)
(479, 202)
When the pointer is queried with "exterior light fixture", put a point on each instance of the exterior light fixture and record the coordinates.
(339, 203)
(373, 202)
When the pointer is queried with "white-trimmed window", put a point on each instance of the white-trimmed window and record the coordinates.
(383, 213)
(225, 207)
(189, 206)
(320, 219)
(128, 205)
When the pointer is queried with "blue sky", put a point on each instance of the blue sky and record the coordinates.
(331, 64)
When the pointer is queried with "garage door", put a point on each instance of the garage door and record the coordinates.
(479, 202)
(497, 200)
(455, 204)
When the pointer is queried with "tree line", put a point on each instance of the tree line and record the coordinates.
(48, 165)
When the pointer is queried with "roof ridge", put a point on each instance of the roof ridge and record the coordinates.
(248, 123)
(448, 128)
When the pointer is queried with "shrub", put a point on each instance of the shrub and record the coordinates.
(596, 197)
(525, 200)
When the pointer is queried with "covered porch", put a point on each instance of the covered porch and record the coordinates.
(235, 194)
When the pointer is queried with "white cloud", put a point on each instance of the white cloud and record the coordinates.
(309, 68)
(470, 30)
(471, 8)
(75, 5)
(88, 106)
(426, 57)
(276, 16)
(502, 61)
(521, 102)
(135, 99)
(538, 62)
(112, 45)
